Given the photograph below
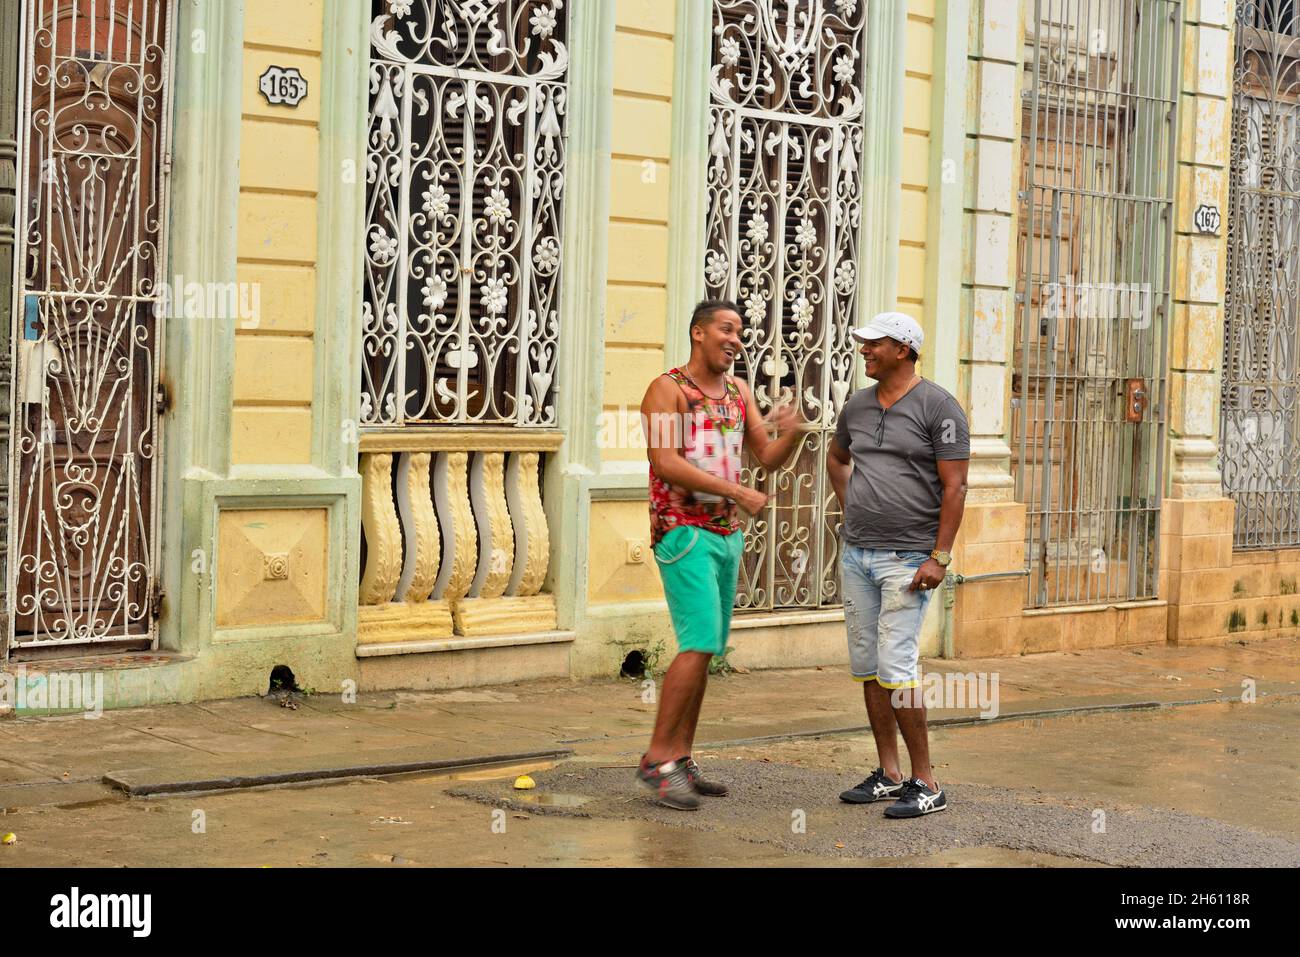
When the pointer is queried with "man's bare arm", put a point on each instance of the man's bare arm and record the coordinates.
(839, 466)
(770, 452)
(952, 475)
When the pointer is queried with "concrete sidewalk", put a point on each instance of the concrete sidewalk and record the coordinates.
(65, 760)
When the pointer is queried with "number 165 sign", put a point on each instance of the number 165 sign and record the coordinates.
(282, 85)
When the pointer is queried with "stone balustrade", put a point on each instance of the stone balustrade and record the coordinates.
(456, 541)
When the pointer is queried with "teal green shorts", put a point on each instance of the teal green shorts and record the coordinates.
(699, 570)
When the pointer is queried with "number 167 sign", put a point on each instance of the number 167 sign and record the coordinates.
(282, 85)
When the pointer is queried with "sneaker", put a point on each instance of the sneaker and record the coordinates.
(875, 788)
(917, 799)
(702, 786)
(671, 784)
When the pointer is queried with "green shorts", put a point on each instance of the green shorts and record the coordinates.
(699, 570)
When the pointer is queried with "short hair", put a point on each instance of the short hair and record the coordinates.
(912, 355)
(705, 309)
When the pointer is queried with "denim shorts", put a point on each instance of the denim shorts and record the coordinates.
(883, 618)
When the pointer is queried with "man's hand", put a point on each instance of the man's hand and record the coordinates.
(771, 453)
(750, 499)
(930, 575)
(784, 419)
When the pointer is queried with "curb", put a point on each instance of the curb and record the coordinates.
(148, 783)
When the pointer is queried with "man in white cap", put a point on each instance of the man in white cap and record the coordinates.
(898, 465)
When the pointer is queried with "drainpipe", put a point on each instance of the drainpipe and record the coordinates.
(950, 583)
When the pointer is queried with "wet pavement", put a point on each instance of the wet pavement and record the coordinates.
(1172, 783)
(1100, 802)
(1022, 794)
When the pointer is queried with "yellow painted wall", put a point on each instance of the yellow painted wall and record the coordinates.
(917, 88)
(279, 179)
(636, 299)
(636, 293)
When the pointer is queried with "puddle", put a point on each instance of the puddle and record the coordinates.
(551, 799)
(82, 805)
(496, 772)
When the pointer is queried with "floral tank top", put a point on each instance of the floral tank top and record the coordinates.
(713, 431)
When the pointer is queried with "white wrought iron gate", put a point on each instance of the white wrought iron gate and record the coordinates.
(94, 120)
(1093, 293)
(1260, 414)
(785, 208)
(465, 179)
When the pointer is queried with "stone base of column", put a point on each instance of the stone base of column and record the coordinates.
(1195, 470)
(403, 621)
(989, 478)
(987, 613)
(504, 616)
(1196, 568)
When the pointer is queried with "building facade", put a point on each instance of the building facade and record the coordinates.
(328, 323)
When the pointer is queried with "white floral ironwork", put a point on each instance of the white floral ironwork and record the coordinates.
(785, 208)
(87, 325)
(465, 179)
(1260, 424)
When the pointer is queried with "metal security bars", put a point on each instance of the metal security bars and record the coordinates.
(464, 179)
(87, 331)
(10, 32)
(785, 206)
(1092, 293)
(1259, 413)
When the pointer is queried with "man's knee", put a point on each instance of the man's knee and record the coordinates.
(693, 660)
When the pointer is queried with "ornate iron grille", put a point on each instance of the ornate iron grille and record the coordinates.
(1092, 294)
(465, 177)
(95, 92)
(1260, 447)
(785, 153)
(10, 32)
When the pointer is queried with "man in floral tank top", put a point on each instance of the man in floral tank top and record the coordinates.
(697, 418)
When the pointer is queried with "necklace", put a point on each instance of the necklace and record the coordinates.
(712, 398)
(916, 379)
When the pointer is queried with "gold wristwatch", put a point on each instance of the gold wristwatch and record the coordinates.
(943, 558)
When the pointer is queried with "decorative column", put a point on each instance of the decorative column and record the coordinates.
(987, 614)
(989, 273)
(1196, 517)
(1196, 334)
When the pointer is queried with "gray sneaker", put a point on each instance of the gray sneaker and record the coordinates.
(671, 784)
(702, 784)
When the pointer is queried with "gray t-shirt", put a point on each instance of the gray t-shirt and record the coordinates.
(894, 491)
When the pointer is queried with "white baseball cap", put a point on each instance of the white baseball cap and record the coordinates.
(892, 325)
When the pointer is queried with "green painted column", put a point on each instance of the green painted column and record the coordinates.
(567, 489)
(882, 162)
(200, 354)
(688, 198)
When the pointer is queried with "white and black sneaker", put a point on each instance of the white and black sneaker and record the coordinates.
(875, 788)
(917, 799)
